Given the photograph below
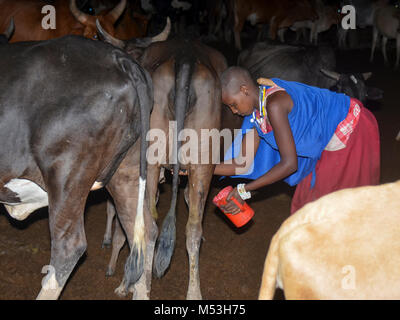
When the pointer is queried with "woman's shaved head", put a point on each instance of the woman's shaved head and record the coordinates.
(233, 78)
(239, 91)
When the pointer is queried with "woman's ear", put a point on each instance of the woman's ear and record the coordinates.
(244, 89)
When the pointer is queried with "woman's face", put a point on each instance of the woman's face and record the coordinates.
(241, 103)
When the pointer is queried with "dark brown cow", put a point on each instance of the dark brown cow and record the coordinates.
(58, 145)
(276, 13)
(131, 24)
(28, 18)
(186, 89)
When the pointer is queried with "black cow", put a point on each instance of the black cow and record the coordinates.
(70, 110)
(187, 89)
(309, 65)
(7, 33)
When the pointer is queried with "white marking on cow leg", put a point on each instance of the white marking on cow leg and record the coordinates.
(138, 235)
(194, 292)
(193, 237)
(96, 186)
(50, 290)
(143, 287)
(140, 291)
(31, 196)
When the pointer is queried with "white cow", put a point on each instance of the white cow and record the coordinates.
(387, 24)
(327, 16)
(346, 245)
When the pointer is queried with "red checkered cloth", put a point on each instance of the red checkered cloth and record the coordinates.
(357, 164)
(346, 127)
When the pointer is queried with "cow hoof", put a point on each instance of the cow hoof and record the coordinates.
(140, 291)
(194, 295)
(140, 296)
(121, 292)
(106, 244)
(110, 272)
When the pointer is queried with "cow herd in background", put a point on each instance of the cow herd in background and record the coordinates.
(184, 74)
(219, 20)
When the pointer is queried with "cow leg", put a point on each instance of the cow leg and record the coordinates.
(384, 43)
(123, 187)
(118, 242)
(110, 216)
(274, 26)
(153, 177)
(143, 286)
(141, 290)
(237, 29)
(199, 183)
(342, 35)
(218, 27)
(316, 38)
(281, 34)
(374, 40)
(227, 32)
(260, 30)
(397, 50)
(298, 34)
(186, 195)
(68, 241)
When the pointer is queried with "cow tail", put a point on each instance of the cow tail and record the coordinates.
(142, 83)
(268, 281)
(166, 240)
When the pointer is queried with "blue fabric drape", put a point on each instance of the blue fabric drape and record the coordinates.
(313, 120)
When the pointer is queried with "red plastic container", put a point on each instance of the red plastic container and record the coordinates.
(239, 219)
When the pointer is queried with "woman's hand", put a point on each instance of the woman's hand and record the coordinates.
(231, 206)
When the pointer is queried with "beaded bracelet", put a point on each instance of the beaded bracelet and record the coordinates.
(242, 192)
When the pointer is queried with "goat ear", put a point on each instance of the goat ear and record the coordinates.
(367, 75)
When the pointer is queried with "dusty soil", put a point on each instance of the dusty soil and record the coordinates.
(231, 260)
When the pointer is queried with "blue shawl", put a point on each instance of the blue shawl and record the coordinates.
(313, 120)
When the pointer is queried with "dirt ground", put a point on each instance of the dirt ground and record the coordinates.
(231, 260)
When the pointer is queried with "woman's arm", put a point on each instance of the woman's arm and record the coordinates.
(242, 163)
(278, 108)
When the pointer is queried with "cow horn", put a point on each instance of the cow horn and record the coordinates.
(109, 38)
(8, 33)
(331, 74)
(83, 18)
(164, 34)
(117, 11)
